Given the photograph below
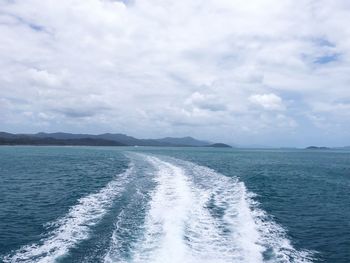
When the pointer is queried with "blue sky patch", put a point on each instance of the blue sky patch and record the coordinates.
(327, 59)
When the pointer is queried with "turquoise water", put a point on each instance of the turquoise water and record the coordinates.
(123, 204)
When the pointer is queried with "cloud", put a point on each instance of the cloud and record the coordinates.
(208, 102)
(267, 101)
(158, 68)
(42, 77)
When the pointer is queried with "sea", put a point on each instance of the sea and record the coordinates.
(174, 205)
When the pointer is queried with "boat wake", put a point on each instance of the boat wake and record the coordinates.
(75, 226)
(176, 212)
(198, 215)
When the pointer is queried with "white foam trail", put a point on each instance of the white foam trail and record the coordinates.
(252, 229)
(198, 215)
(74, 226)
(180, 228)
(122, 225)
(169, 208)
(115, 247)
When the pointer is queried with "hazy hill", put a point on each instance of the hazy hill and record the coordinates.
(27, 140)
(317, 148)
(61, 138)
(220, 145)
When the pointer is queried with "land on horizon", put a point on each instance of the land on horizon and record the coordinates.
(119, 139)
(105, 139)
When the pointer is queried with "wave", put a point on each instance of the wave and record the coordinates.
(198, 215)
(75, 226)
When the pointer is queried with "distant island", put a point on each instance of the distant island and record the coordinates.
(317, 148)
(219, 145)
(106, 139)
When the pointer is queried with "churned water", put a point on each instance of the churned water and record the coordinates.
(148, 204)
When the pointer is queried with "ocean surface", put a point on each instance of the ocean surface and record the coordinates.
(168, 205)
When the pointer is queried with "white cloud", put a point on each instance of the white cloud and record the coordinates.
(158, 68)
(208, 102)
(42, 77)
(267, 101)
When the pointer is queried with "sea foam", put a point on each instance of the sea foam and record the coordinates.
(198, 215)
(74, 226)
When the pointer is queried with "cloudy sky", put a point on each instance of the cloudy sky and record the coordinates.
(266, 72)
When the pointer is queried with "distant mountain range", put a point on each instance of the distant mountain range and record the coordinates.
(106, 139)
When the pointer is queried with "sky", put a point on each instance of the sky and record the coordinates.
(257, 72)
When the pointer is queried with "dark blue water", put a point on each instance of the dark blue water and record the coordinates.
(120, 204)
